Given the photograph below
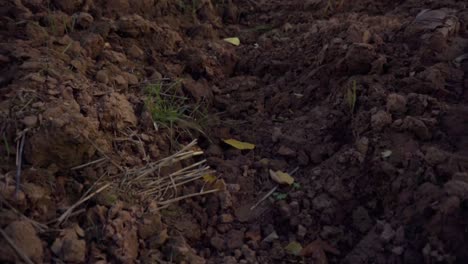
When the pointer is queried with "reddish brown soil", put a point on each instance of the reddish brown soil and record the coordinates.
(382, 181)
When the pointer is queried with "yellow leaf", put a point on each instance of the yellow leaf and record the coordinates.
(294, 248)
(233, 41)
(209, 178)
(281, 177)
(239, 144)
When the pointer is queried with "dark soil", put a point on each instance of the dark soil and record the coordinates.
(363, 102)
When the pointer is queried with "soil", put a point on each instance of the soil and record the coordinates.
(362, 102)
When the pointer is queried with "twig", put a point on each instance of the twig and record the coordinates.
(18, 251)
(187, 196)
(264, 197)
(88, 164)
(271, 191)
(19, 162)
(67, 213)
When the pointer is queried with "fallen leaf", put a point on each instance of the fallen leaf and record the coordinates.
(281, 177)
(294, 248)
(209, 178)
(317, 250)
(234, 41)
(239, 144)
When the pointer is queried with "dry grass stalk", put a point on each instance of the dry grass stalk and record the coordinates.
(148, 182)
(69, 211)
(38, 226)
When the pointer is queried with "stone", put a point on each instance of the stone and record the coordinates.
(380, 120)
(217, 242)
(120, 82)
(387, 233)
(417, 127)
(84, 20)
(361, 219)
(24, 236)
(435, 156)
(398, 250)
(30, 121)
(457, 188)
(102, 77)
(271, 237)
(286, 151)
(234, 239)
(68, 6)
(321, 202)
(396, 103)
(226, 218)
(248, 254)
(301, 231)
(135, 52)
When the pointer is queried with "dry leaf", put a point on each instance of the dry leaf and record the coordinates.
(317, 250)
(239, 144)
(209, 178)
(294, 248)
(234, 41)
(281, 177)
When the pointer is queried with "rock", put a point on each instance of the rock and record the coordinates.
(135, 52)
(131, 78)
(84, 20)
(30, 121)
(321, 202)
(301, 231)
(457, 188)
(114, 56)
(387, 234)
(271, 237)
(199, 90)
(229, 260)
(248, 254)
(234, 239)
(398, 250)
(435, 156)
(380, 120)
(120, 82)
(69, 6)
(361, 219)
(417, 127)
(102, 77)
(284, 209)
(330, 232)
(400, 235)
(181, 252)
(396, 103)
(24, 236)
(93, 44)
(362, 145)
(133, 26)
(217, 242)
(287, 152)
(359, 58)
(149, 226)
(275, 136)
(158, 240)
(226, 218)
(117, 112)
